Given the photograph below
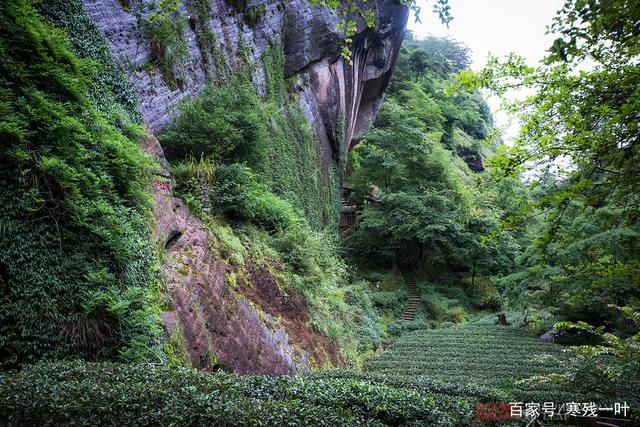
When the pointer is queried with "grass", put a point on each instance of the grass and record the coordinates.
(487, 355)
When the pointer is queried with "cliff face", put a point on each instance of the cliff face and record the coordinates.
(219, 317)
(339, 99)
(249, 325)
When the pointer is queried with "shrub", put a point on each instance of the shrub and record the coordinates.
(231, 248)
(400, 327)
(222, 124)
(368, 335)
(456, 314)
(169, 50)
(390, 301)
(239, 194)
(77, 393)
(193, 180)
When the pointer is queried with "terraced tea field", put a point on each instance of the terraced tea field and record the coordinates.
(487, 355)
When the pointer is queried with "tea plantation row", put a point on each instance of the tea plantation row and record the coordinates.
(71, 393)
(487, 355)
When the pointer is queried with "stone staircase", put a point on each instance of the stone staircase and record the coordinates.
(409, 312)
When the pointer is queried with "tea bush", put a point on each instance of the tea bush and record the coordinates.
(107, 393)
(496, 357)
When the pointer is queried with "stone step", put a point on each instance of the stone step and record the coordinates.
(415, 301)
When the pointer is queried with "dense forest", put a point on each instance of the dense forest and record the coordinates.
(268, 257)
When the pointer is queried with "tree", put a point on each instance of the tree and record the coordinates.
(353, 12)
(580, 133)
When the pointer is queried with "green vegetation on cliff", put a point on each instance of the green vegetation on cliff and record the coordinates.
(76, 260)
(434, 194)
(250, 168)
(231, 123)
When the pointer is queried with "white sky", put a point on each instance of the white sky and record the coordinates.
(494, 26)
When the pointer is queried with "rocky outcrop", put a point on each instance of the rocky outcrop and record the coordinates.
(244, 322)
(343, 98)
(472, 158)
(249, 326)
(339, 98)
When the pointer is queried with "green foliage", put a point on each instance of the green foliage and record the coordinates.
(77, 265)
(109, 90)
(240, 196)
(584, 262)
(295, 169)
(423, 73)
(213, 59)
(81, 393)
(235, 191)
(595, 28)
(169, 49)
(222, 124)
(445, 303)
(232, 124)
(427, 205)
(497, 357)
(481, 394)
(424, 209)
(401, 327)
(390, 301)
(579, 130)
(613, 365)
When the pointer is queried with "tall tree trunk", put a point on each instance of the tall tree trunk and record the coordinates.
(473, 275)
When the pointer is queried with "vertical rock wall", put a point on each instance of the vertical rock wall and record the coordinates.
(340, 99)
(250, 329)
